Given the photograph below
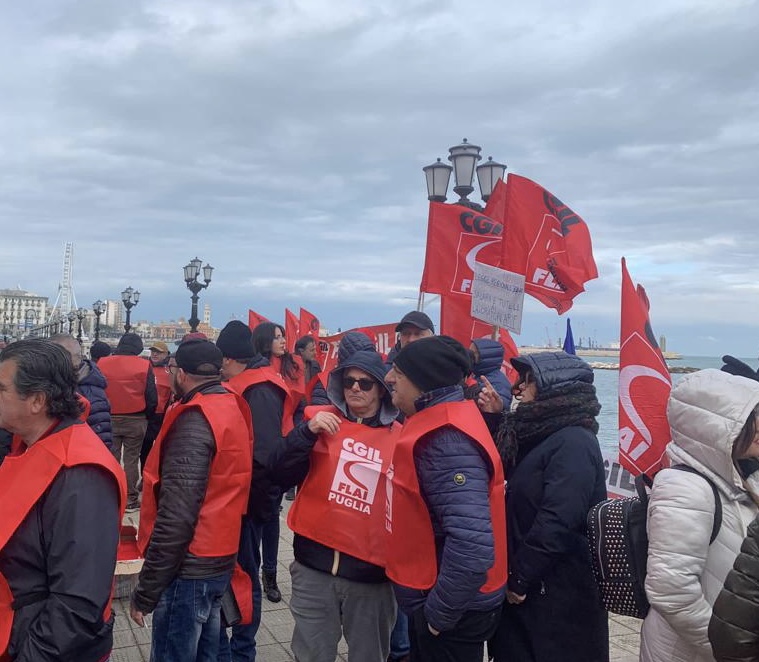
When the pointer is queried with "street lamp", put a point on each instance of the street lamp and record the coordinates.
(71, 317)
(130, 297)
(191, 273)
(5, 327)
(81, 313)
(30, 319)
(98, 308)
(464, 158)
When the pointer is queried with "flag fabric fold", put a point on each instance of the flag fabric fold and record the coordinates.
(569, 340)
(309, 326)
(292, 330)
(644, 385)
(544, 240)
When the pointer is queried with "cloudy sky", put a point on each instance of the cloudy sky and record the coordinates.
(282, 141)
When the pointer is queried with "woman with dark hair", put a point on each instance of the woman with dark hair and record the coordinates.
(269, 340)
(555, 473)
(712, 417)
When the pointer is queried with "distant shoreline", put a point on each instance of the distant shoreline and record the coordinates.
(605, 352)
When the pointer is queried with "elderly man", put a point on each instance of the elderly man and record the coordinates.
(197, 480)
(133, 396)
(91, 385)
(339, 582)
(413, 326)
(446, 518)
(61, 501)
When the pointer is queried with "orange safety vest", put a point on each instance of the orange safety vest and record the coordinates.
(342, 501)
(26, 477)
(127, 377)
(217, 532)
(412, 559)
(251, 376)
(163, 386)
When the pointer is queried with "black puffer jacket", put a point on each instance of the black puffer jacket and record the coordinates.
(552, 369)
(734, 627)
(186, 455)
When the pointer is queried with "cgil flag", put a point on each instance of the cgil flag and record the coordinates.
(644, 385)
(309, 326)
(544, 240)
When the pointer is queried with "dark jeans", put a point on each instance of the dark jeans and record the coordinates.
(154, 427)
(242, 646)
(270, 540)
(399, 639)
(464, 643)
(187, 620)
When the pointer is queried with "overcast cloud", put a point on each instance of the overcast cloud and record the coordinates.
(283, 143)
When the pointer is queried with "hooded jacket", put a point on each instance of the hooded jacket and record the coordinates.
(92, 386)
(706, 412)
(489, 366)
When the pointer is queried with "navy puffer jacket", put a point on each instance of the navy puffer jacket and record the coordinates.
(92, 385)
(489, 365)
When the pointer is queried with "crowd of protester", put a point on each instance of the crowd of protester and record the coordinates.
(439, 511)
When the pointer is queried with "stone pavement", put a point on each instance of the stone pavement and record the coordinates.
(132, 643)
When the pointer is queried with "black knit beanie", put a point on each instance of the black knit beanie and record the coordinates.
(130, 344)
(434, 362)
(100, 349)
(235, 342)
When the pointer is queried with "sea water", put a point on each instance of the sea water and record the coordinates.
(607, 383)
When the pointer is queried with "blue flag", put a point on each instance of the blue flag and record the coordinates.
(569, 341)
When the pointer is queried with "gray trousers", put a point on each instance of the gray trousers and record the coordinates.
(325, 607)
(128, 433)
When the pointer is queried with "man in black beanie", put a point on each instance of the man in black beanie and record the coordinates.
(250, 375)
(447, 548)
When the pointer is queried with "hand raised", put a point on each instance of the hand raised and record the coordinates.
(324, 421)
(488, 400)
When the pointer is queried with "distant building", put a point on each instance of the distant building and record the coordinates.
(113, 316)
(20, 311)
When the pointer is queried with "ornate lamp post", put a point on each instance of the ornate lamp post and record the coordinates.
(30, 319)
(81, 313)
(98, 308)
(5, 327)
(191, 273)
(464, 158)
(130, 297)
(71, 317)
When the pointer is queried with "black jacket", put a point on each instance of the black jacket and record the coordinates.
(74, 525)
(92, 386)
(186, 455)
(548, 495)
(734, 627)
(277, 460)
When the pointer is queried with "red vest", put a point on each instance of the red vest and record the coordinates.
(217, 532)
(247, 378)
(411, 558)
(343, 499)
(127, 377)
(25, 478)
(163, 386)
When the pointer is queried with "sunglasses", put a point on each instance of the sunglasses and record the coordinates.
(364, 383)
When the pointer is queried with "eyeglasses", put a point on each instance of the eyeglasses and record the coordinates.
(170, 368)
(364, 383)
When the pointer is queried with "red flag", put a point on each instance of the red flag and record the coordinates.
(292, 332)
(546, 241)
(309, 326)
(254, 319)
(456, 237)
(383, 336)
(644, 385)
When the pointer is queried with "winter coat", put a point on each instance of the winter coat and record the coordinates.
(92, 386)
(460, 523)
(548, 495)
(734, 627)
(489, 365)
(706, 412)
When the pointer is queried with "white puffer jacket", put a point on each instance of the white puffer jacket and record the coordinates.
(706, 412)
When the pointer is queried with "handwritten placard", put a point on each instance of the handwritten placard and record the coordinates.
(498, 296)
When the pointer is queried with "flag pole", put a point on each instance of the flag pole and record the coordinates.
(420, 302)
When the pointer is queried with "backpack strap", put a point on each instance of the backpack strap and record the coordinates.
(717, 501)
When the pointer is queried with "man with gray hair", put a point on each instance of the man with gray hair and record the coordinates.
(62, 497)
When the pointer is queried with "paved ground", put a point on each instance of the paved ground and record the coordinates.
(132, 643)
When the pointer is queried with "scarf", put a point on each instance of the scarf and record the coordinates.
(532, 422)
